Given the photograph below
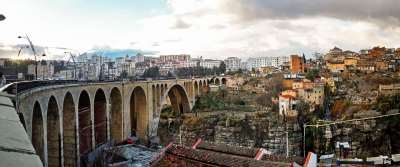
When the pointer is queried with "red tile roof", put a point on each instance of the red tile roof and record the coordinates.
(217, 158)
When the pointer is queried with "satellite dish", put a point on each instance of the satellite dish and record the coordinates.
(2, 17)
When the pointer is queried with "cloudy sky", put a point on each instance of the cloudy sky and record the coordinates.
(208, 28)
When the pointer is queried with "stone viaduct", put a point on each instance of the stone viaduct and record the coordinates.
(67, 121)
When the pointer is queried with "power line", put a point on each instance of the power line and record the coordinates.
(338, 122)
(351, 120)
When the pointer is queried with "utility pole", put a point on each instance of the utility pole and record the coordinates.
(287, 144)
(304, 140)
(180, 135)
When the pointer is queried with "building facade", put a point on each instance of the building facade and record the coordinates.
(296, 64)
(266, 62)
(232, 63)
(45, 70)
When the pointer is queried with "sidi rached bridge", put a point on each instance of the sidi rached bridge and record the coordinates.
(66, 121)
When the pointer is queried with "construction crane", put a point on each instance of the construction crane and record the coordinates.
(72, 57)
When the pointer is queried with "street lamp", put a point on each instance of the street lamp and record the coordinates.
(2, 17)
(16, 83)
(33, 50)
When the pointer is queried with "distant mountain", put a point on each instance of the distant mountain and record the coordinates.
(113, 53)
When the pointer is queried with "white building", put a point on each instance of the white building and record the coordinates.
(266, 62)
(209, 63)
(287, 105)
(232, 63)
(175, 58)
(192, 63)
(138, 58)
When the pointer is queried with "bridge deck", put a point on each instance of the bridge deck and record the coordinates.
(15, 147)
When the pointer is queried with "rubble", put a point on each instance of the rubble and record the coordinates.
(129, 156)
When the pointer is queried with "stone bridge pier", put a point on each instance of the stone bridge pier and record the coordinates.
(65, 122)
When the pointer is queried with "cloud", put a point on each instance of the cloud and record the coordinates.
(216, 28)
(11, 51)
(377, 11)
(180, 24)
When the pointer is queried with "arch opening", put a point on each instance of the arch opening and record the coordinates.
(69, 131)
(175, 103)
(223, 80)
(85, 127)
(201, 87)
(139, 113)
(179, 99)
(116, 115)
(38, 131)
(217, 81)
(196, 89)
(100, 118)
(53, 133)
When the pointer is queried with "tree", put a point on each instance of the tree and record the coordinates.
(124, 74)
(152, 72)
(312, 74)
(253, 70)
(302, 107)
(222, 67)
(338, 108)
(386, 103)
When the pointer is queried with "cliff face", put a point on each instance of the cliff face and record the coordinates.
(366, 138)
(247, 131)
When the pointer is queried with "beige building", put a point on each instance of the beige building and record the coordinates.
(45, 70)
(391, 89)
(350, 61)
(314, 96)
(335, 66)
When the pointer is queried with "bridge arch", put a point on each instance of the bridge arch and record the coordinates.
(139, 113)
(217, 81)
(38, 130)
(53, 133)
(178, 97)
(84, 122)
(223, 81)
(204, 88)
(69, 135)
(100, 117)
(116, 123)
